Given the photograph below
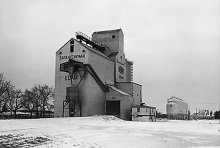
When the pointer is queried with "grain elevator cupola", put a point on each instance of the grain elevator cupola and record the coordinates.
(114, 39)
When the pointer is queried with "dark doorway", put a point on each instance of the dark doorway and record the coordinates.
(113, 108)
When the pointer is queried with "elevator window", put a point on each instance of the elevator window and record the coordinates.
(71, 48)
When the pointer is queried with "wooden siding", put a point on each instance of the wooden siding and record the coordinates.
(135, 90)
(92, 97)
(125, 103)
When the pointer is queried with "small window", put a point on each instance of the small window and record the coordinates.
(113, 36)
(146, 110)
(72, 42)
(138, 109)
(71, 48)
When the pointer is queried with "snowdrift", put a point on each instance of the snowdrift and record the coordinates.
(107, 132)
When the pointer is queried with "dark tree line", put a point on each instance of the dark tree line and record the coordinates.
(217, 114)
(38, 98)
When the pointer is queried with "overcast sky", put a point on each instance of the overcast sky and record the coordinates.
(174, 44)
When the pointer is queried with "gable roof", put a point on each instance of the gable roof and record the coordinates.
(119, 91)
(87, 47)
(65, 44)
(112, 54)
(143, 106)
(108, 31)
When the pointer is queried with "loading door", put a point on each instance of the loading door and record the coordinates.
(113, 108)
(73, 100)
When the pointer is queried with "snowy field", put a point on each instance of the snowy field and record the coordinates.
(108, 132)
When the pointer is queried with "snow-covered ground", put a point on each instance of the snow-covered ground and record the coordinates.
(108, 132)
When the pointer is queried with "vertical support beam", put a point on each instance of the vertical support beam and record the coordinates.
(63, 109)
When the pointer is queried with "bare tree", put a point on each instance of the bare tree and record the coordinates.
(12, 98)
(16, 103)
(7, 97)
(35, 99)
(4, 86)
(45, 94)
(38, 97)
(30, 101)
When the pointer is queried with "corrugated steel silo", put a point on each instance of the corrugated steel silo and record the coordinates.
(172, 108)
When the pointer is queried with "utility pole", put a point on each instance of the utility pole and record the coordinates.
(189, 114)
(196, 113)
